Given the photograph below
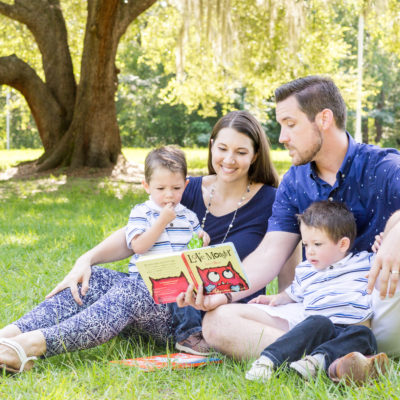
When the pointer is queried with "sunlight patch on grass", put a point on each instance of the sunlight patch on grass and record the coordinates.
(9, 158)
(22, 239)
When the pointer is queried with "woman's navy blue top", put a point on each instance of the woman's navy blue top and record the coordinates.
(251, 220)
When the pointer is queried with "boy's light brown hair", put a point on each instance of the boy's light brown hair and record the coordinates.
(332, 217)
(169, 157)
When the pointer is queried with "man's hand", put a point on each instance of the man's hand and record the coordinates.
(377, 243)
(199, 301)
(385, 269)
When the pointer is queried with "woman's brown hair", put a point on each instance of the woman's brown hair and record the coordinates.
(261, 170)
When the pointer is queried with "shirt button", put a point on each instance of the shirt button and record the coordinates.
(171, 224)
(343, 175)
(330, 199)
(331, 267)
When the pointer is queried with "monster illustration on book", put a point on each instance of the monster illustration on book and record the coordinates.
(221, 279)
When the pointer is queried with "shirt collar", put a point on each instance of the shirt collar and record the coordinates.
(346, 164)
(342, 262)
(155, 207)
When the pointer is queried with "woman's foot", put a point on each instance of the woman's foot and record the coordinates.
(9, 331)
(17, 354)
(13, 357)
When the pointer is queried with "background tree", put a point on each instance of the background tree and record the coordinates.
(77, 123)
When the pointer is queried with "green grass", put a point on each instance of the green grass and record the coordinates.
(45, 224)
(196, 158)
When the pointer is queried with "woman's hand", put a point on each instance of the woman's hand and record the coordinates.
(111, 249)
(199, 301)
(80, 273)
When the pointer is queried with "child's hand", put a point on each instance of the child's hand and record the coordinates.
(206, 238)
(273, 299)
(264, 299)
(168, 214)
(377, 243)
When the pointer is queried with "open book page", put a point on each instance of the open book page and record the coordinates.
(165, 276)
(174, 361)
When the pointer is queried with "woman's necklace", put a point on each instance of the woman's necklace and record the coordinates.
(203, 221)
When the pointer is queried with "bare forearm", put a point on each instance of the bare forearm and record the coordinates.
(142, 243)
(113, 248)
(265, 263)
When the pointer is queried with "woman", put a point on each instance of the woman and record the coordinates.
(233, 204)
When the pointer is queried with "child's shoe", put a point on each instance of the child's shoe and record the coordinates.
(261, 370)
(194, 344)
(307, 367)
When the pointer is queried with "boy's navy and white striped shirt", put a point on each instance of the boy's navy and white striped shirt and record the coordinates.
(175, 237)
(337, 292)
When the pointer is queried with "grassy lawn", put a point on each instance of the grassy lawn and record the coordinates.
(196, 158)
(45, 224)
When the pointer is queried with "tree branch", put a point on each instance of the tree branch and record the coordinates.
(129, 11)
(45, 109)
(46, 22)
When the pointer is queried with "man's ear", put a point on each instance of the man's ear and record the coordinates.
(146, 187)
(344, 244)
(324, 119)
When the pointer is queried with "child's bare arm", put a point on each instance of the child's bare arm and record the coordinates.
(273, 300)
(143, 242)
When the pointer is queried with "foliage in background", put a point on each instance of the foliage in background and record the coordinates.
(186, 62)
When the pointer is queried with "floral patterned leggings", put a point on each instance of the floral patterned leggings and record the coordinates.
(114, 301)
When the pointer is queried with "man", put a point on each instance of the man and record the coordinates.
(327, 164)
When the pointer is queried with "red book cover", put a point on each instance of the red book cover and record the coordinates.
(173, 361)
(217, 267)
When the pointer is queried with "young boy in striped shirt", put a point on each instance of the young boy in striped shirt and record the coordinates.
(162, 224)
(331, 284)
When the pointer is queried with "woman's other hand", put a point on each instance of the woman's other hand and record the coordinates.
(80, 273)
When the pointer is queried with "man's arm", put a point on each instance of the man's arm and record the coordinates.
(261, 266)
(387, 260)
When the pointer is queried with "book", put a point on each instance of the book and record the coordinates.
(217, 267)
(174, 361)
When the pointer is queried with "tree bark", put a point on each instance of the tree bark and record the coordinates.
(77, 124)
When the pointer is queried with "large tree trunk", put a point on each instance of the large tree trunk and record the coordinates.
(78, 125)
